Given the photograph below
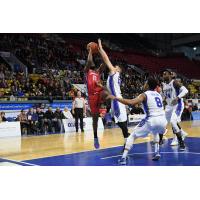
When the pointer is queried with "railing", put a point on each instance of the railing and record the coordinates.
(38, 98)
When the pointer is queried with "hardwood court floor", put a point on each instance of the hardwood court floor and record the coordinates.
(33, 147)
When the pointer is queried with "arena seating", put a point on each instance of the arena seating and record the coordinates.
(56, 59)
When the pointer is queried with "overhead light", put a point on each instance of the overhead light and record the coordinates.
(194, 48)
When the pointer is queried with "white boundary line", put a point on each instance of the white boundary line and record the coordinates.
(72, 153)
(20, 162)
(89, 151)
(78, 152)
(195, 153)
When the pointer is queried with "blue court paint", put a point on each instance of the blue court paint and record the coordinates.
(140, 155)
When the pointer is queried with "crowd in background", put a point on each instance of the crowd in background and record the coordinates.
(38, 121)
(56, 65)
(51, 84)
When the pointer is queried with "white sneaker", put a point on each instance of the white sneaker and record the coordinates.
(174, 141)
(184, 134)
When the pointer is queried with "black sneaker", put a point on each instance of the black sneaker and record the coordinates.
(123, 161)
(161, 142)
(156, 157)
(182, 146)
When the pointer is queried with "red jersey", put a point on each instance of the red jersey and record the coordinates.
(92, 78)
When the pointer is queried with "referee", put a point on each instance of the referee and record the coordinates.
(79, 109)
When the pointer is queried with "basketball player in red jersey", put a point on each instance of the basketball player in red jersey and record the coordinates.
(94, 92)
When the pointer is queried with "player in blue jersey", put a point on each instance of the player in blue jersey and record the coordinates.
(173, 92)
(113, 86)
(155, 121)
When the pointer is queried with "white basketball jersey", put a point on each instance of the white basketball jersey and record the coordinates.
(113, 84)
(118, 109)
(153, 105)
(170, 92)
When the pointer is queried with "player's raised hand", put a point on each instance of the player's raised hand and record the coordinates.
(89, 49)
(100, 44)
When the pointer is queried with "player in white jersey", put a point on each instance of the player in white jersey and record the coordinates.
(155, 121)
(113, 86)
(174, 92)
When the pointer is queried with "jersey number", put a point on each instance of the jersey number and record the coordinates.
(94, 78)
(158, 102)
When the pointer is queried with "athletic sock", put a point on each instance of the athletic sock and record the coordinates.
(95, 134)
(156, 147)
(125, 153)
(179, 137)
(125, 139)
(129, 144)
(95, 125)
(160, 137)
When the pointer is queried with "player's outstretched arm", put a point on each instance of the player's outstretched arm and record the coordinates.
(101, 68)
(137, 100)
(182, 91)
(105, 57)
(89, 62)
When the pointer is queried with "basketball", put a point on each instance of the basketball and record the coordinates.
(93, 46)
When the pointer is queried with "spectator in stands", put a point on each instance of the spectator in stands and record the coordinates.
(136, 110)
(3, 117)
(13, 90)
(22, 117)
(32, 120)
(2, 76)
(58, 120)
(186, 112)
(67, 114)
(20, 93)
(195, 107)
(48, 119)
(3, 83)
(12, 97)
(40, 124)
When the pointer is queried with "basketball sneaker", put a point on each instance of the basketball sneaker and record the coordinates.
(184, 134)
(156, 157)
(182, 146)
(96, 143)
(161, 142)
(174, 141)
(123, 161)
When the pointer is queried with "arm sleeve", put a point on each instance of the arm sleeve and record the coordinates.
(183, 92)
